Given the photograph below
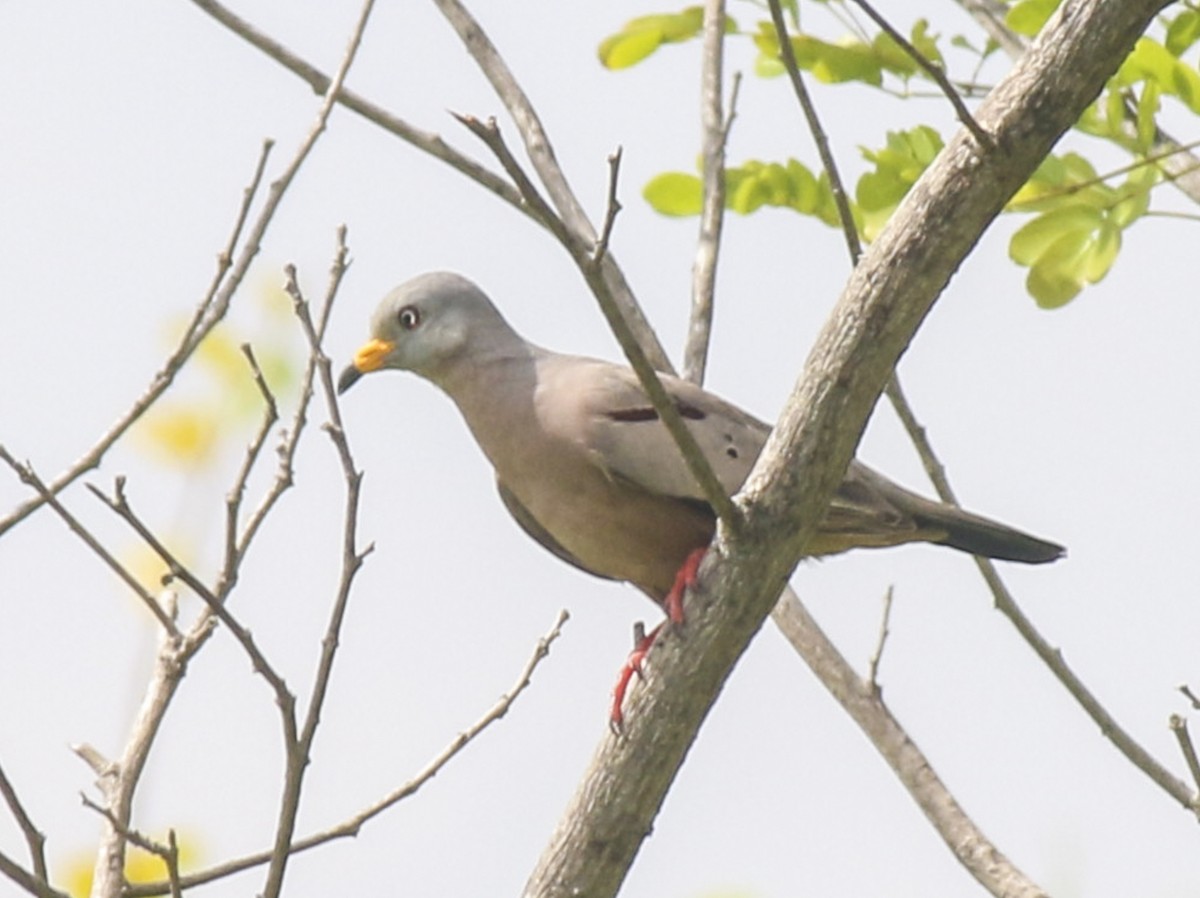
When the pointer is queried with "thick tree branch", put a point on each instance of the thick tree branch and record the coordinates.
(884, 303)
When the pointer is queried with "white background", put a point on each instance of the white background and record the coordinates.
(129, 132)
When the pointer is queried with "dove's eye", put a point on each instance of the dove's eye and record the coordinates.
(409, 318)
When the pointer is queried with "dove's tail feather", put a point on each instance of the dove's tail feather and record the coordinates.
(981, 536)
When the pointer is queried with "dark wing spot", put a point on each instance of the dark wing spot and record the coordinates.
(647, 413)
(731, 452)
(633, 414)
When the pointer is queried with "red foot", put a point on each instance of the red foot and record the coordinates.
(673, 605)
(686, 576)
(633, 665)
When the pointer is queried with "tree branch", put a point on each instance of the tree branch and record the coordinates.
(34, 837)
(714, 129)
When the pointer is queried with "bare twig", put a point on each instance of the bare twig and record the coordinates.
(119, 504)
(1190, 696)
(788, 56)
(46, 494)
(26, 880)
(611, 208)
(299, 745)
(714, 132)
(877, 655)
(233, 499)
(352, 825)
(34, 837)
(933, 71)
(287, 450)
(208, 313)
(169, 853)
(1109, 727)
(1179, 727)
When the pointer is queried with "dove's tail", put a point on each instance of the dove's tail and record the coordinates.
(981, 536)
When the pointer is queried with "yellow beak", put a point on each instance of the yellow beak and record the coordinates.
(369, 358)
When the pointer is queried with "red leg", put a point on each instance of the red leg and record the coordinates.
(686, 576)
(633, 665)
(673, 605)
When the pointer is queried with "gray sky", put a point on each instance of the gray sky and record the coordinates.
(130, 131)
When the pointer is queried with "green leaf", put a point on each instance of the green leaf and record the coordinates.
(620, 51)
(1147, 116)
(1066, 249)
(925, 42)
(675, 193)
(1183, 31)
(1101, 251)
(1150, 61)
(1052, 288)
(640, 37)
(1037, 237)
(749, 195)
(1028, 16)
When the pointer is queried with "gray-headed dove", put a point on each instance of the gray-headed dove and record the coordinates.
(586, 468)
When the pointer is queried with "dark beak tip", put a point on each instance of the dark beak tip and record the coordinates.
(348, 378)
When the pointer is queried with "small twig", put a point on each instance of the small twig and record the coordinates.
(34, 837)
(531, 200)
(933, 71)
(1179, 727)
(26, 880)
(1190, 696)
(233, 499)
(612, 208)
(873, 686)
(169, 853)
(352, 825)
(298, 744)
(119, 504)
(788, 55)
(27, 475)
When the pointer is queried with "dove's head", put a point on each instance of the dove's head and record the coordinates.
(431, 325)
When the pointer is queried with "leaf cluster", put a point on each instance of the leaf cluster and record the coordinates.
(1078, 214)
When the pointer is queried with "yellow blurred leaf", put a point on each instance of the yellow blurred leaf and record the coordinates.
(181, 434)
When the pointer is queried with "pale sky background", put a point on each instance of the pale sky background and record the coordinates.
(129, 132)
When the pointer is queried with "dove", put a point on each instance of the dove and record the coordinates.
(586, 468)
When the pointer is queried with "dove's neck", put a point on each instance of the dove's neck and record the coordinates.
(495, 389)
